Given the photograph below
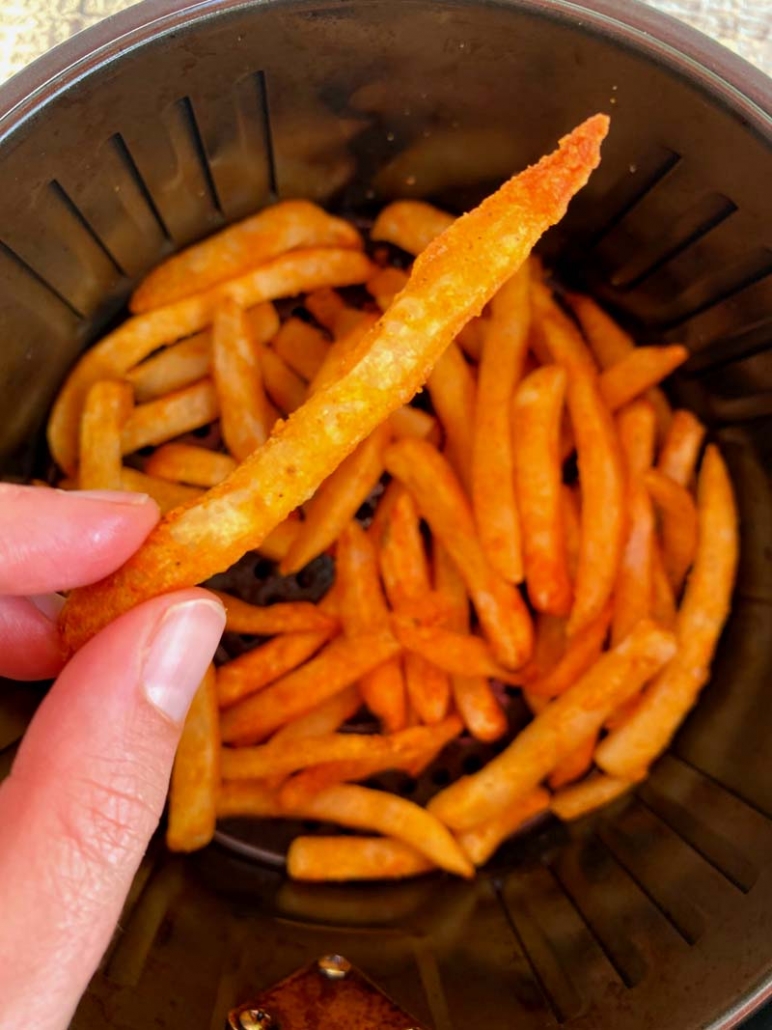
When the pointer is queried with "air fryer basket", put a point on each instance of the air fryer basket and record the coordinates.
(166, 122)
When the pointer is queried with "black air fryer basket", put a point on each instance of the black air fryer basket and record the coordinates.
(164, 123)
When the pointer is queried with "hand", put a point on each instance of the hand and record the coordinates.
(88, 785)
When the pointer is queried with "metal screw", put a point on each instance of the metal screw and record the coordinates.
(334, 967)
(256, 1019)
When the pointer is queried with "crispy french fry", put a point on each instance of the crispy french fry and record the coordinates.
(441, 500)
(327, 717)
(493, 483)
(265, 621)
(338, 665)
(248, 798)
(301, 346)
(265, 664)
(282, 227)
(285, 387)
(581, 652)
(196, 774)
(186, 463)
(678, 515)
(107, 406)
(166, 495)
(172, 368)
(278, 542)
(343, 859)
(331, 311)
(337, 500)
(408, 421)
(176, 413)
(482, 840)
(634, 375)
(342, 352)
(458, 653)
(553, 734)
(663, 605)
(410, 225)
(681, 448)
(537, 410)
(555, 337)
(452, 389)
(595, 792)
(385, 285)
(575, 765)
(394, 360)
(629, 750)
(392, 816)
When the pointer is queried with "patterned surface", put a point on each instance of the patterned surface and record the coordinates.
(30, 27)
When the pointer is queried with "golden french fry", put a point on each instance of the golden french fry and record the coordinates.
(196, 775)
(394, 360)
(629, 750)
(343, 351)
(331, 311)
(186, 463)
(458, 653)
(409, 421)
(265, 621)
(385, 285)
(554, 336)
(681, 448)
(663, 605)
(166, 495)
(410, 225)
(553, 734)
(255, 669)
(575, 765)
(278, 542)
(248, 798)
(452, 389)
(634, 375)
(301, 346)
(481, 841)
(285, 226)
(176, 413)
(678, 515)
(285, 387)
(550, 643)
(494, 502)
(342, 859)
(595, 792)
(326, 717)
(578, 655)
(107, 406)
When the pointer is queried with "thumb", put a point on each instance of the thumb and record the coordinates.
(85, 795)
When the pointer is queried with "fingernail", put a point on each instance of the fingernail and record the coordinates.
(49, 604)
(178, 655)
(113, 496)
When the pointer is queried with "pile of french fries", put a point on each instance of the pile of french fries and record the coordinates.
(487, 563)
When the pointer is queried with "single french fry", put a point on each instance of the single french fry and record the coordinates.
(382, 515)
(196, 774)
(176, 413)
(550, 643)
(409, 421)
(555, 337)
(276, 545)
(267, 620)
(554, 733)
(634, 375)
(385, 285)
(452, 389)
(575, 765)
(107, 406)
(343, 859)
(284, 387)
(248, 798)
(172, 368)
(581, 652)
(678, 515)
(681, 447)
(186, 463)
(166, 495)
(581, 798)
(663, 605)
(441, 500)
(285, 226)
(493, 464)
(458, 653)
(410, 225)
(265, 664)
(301, 346)
(343, 351)
(338, 665)
(392, 816)
(331, 311)
(481, 841)
(326, 717)
(537, 410)
(629, 750)
(337, 500)
(392, 363)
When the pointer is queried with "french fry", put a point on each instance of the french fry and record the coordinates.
(331, 311)
(572, 528)
(452, 389)
(382, 515)
(343, 859)
(248, 798)
(595, 792)
(342, 352)
(301, 346)
(285, 387)
(456, 653)
(410, 225)
(338, 665)
(337, 500)
(492, 477)
(441, 500)
(408, 421)
(634, 375)
(681, 448)
(285, 226)
(385, 285)
(166, 495)
(629, 750)
(395, 358)
(555, 337)
(108, 404)
(575, 765)
(196, 774)
(278, 542)
(267, 620)
(663, 605)
(471, 338)
(392, 816)
(327, 717)
(186, 463)
(265, 664)
(550, 643)
(581, 652)
(582, 710)
(537, 410)
(363, 608)
(174, 367)
(176, 413)
(481, 841)
(678, 516)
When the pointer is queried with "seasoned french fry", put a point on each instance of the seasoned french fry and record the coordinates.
(575, 765)
(285, 387)
(343, 859)
(338, 665)
(301, 346)
(385, 285)
(441, 500)
(196, 774)
(595, 792)
(166, 495)
(581, 652)
(681, 448)
(553, 734)
(255, 669)
(481, 841)
(176, 413)
(493, 465)
(550, 643)
(394, 360)
(678, 515)
(634, 375)
(107, 406)
(248, 798)
(452, 389)
(186, 463)
(342, 352)
(337, 500)
(327, 717)
(410, 225)
(265, 621)
(536, 418)
(278, 542)
(285, 226)
(629, 750)
(458, 653)
(173, 368)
